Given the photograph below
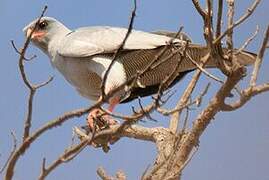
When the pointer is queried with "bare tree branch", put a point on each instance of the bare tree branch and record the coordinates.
(252, 90)
(32, 88)
(246, 96)
(239, 21)
(197, 101)
(229, 39)
(248, 41)
(11, 152)
(199, 8)
(203, 70)
(204, 119)
(19, 52)
(179, 157)
(64, 158)
(219, 18)
(259, 58)
(174, 122)
(104, 176)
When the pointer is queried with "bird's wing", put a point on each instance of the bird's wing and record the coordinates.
(182, 36)
(89, 41)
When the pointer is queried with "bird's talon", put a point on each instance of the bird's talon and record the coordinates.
(101, 121)
(98, 122)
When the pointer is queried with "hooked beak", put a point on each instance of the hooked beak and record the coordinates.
(35, 35)
(28, 32)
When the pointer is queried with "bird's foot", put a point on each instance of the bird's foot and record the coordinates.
(97, 121)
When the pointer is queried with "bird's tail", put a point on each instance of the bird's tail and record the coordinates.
(245, 58)
(197, 52)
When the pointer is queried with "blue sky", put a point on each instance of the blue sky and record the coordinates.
(235, 145)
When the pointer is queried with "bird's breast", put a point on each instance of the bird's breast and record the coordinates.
(86, 74)
(77, 73)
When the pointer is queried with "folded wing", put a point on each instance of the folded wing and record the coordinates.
(90, 41)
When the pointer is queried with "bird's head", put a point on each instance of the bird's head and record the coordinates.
(44, 31)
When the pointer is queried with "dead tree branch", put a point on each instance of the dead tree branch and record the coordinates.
(253, 89)
(32, 88)
(229, 39)
(104, 176)
(259, 58)
(174, 122)
(15, 142)
(248, 41)
(239, 21)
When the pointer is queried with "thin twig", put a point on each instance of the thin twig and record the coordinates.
(19, 52)
(252, 90)
(197, 101)
(248, 41)
(32, 88)
(68, 155)
(246, 96)
(199, 8)
(229, 38)
(204, 70)
(136, 115)
(11, 152)
(42, 84)
(147, 114)
(208, 28)
(28, 120)
(259, 58)
(219, 18)
(23, 51)
(239, 21)
(174, 122)
(204, 118)
(46, 171)
(185, 120)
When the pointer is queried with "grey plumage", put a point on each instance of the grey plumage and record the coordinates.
(83, 56)
(137, 60)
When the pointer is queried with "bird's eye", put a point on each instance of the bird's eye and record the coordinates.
(42, 25)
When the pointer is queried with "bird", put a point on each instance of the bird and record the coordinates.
(83, 56)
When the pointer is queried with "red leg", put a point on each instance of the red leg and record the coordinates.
(105, 122)
(91, 116)
(113, 102)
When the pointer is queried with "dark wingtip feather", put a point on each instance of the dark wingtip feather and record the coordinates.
(182, 35)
